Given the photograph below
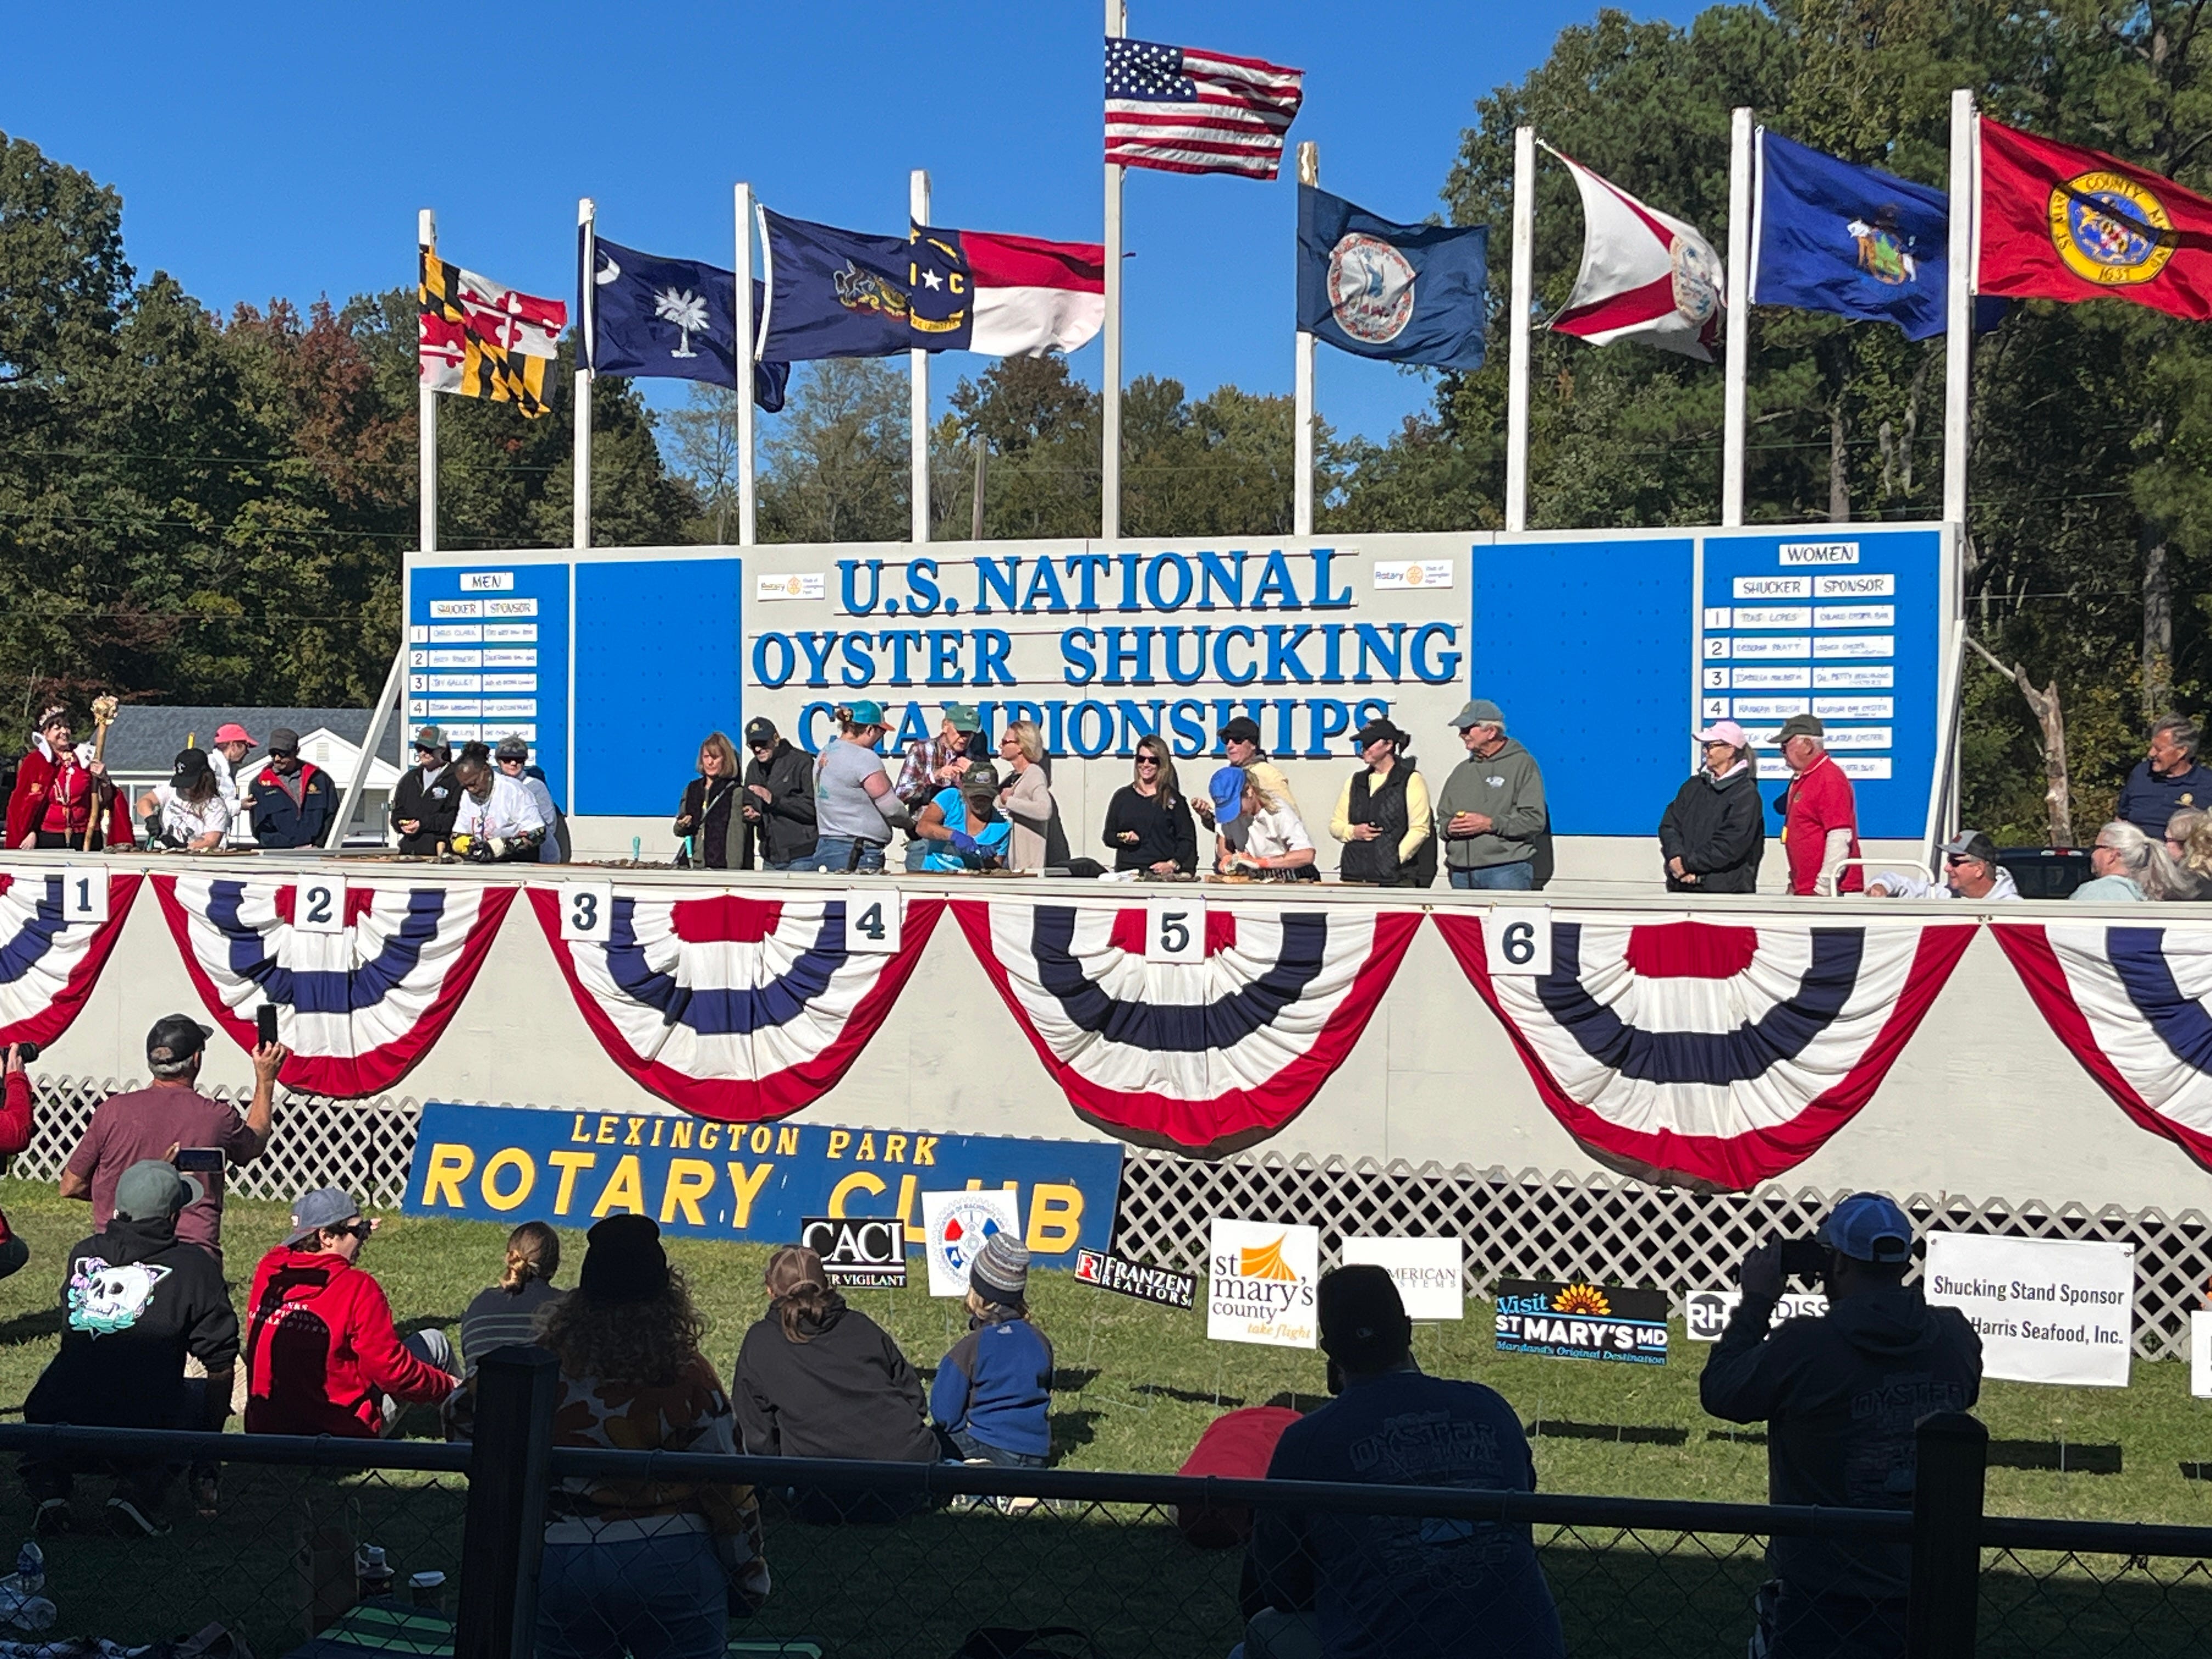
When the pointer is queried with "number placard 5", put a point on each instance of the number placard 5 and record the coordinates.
(587, 911)
(84, 895)
(319, 905)
(1175, 930)
(872, 915)
(1517, 939)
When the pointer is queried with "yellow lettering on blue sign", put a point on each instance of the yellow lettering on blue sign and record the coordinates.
(450, 1164)
(690, 1179)
(568, 1164)
(745, 1189)
(625, 1189)
(508, 1157)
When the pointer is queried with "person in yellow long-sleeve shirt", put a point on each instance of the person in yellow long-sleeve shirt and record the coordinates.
(1382, 817)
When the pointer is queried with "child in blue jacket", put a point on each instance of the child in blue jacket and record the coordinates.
(991, 1392)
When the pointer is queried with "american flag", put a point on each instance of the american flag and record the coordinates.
(1197, 111)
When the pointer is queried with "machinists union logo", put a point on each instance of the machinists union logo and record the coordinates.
(1697, 274)
(1370, 289)
(2110, 230)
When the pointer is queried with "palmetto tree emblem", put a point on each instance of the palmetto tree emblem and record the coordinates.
(688, 310)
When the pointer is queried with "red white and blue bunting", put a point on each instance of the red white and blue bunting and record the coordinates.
(1202, 1056)
(1712, 1055)
(47, 970)
(734, 1008)
(359, 1007)
(2131, 1004)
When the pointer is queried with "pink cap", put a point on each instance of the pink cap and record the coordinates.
(1726, 732)
(232, 732)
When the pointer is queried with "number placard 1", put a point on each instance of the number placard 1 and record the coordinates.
(319, 905)
(1518, 939)
(872, 920)
(587, 911)
(84, 895)
(1175, 930)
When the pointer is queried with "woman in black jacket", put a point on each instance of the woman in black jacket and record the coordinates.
(1148, 823)
(709, 816)
(1714, 835)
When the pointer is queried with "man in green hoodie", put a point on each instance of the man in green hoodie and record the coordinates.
(1491, 809)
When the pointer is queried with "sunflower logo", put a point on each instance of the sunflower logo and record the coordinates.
(1581, 1299)
(1264, 1262)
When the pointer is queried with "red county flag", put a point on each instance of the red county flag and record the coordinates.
(1183, 110)
(1645, 275)
(2062, 223)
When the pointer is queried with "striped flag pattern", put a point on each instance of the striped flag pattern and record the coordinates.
(476, 339)
(1183, 110)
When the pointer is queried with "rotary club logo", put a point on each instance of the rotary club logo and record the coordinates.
(2110, 230)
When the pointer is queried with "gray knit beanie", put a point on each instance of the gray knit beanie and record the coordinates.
(1001, 1272)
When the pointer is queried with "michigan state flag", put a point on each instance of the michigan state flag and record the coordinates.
(1827, 235)
(1406, 293)
(650, 318)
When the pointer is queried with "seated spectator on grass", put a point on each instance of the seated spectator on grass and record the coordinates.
(14, 1136)
(819, 1379)
(652, 1568)
(1971, 870)
(506, 1316)
(2128, 866)
(1350, 1586)
(136, 1301)
(963, 829)
(1236, 1445)
(322, 1355)
(993, 1391)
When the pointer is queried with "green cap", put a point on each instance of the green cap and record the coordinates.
(1800, 726)
(962, 717)
(980, 775)
(1479, 711)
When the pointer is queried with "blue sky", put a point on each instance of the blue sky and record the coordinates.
(266, 150)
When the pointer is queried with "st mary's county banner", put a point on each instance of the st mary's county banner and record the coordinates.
(753, 1183)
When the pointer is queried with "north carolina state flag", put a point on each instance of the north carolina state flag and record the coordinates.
(2062, 223)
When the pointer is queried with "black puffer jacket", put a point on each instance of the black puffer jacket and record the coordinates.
(785, 830)
(1718, 828)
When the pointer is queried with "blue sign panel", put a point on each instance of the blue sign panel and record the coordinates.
(488, 656)
(755, 1181)
(660, 664)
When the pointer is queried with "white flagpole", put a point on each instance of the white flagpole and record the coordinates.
(917, 207)
(1523, 299)
(1958, 342)
(1302, 510)
(584, 349)
(425, 416)
(744, 350)
(1109, 475)
(1738, 370)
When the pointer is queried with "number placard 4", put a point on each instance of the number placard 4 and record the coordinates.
(1517, 938)
(84, 896)
(587, 911)
(1175, 931)
(872, 915)
(319, 905)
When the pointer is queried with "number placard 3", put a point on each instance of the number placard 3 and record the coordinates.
(872, 915)
(1175, 930)
(1517, 938)
(319, 905)
(587, 911)
(84, 895)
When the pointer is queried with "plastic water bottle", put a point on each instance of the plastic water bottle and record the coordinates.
(372, 1572)
(22, 1606)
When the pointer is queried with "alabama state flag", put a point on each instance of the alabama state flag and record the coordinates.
(2058, 222)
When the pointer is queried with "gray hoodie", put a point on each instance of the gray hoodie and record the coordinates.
(1508, 789)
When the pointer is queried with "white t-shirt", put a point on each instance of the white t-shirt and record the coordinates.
(182, 823)
(508, 812)
(1270, 834)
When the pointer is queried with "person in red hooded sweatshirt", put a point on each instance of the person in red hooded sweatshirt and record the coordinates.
(322, 1354)
(14, 1136)
(57, 794)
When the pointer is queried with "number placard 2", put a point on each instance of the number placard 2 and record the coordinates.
(587, 911)
(1517, 939)
(872, 920)
(1175, 930)
(319, 905)
(84, 896)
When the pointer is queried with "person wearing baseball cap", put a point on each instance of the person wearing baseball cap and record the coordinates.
(1819, 814)
(935, 765)
(233, 744)
(1498, 832)
(136, 1302)
(1382, 817)
(963, 827)
(427, 798)
(854, 804)
(1840, 1392)
(187, 812)
(778, 806)
(512, 757)
(1713, 834)
(1345, 1582)
(290, 802)
(322, 1355)
(1239, 743)
(1971, 870)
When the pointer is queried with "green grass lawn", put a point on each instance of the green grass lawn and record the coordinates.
(1138, 1384)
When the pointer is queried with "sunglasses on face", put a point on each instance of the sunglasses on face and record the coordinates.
(1148, 760)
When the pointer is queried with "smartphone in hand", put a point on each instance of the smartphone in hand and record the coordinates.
(199, 1160)
(265, 1019)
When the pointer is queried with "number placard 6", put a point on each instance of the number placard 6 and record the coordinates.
(587, 911)
(1517, 939)
(872, 915)
(1175, 930)
(84, 895)
(319, 905)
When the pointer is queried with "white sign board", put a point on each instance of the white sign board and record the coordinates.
(1175, 931)
(84, 896)
(319, 904)
(1705, 1314)
(1426, 1271)
(955, 1226)
(587, 911)
(1260, 1277)
(1396, 575)
(2200, 1354)
(1517, 939)
(872, 920)
(2049, 1309)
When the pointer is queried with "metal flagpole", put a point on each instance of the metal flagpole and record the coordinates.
(745, 350)
(917, 207)
(1739, 319)
(1523, 299)
(426, 414)
(584, 353)
(1301, 511)
(1110, 477)
(1959, 344)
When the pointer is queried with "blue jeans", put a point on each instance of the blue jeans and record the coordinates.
(805, 861)
(652, 1598)
(971, 1448)
(916, 850)
(1519, 878)
(835, 855)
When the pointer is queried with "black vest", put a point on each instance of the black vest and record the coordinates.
(1376, 861)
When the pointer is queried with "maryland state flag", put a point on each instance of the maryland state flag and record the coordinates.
(479, 340)
(2062, 223)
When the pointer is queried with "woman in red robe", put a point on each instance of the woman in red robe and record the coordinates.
(57, 794)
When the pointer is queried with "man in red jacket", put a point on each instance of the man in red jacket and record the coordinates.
(322, 1355)
(14, 1136)
(1820, 819)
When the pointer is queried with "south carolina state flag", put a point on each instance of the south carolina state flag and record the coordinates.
(2062, 223)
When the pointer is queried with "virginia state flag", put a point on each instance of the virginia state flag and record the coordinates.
(1406, 293)
(2059, 222)
(1830, 236)
(650, 318)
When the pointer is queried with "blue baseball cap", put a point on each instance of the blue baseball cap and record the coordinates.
(1868, 1227)
(1227, 788)
(866, 712)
